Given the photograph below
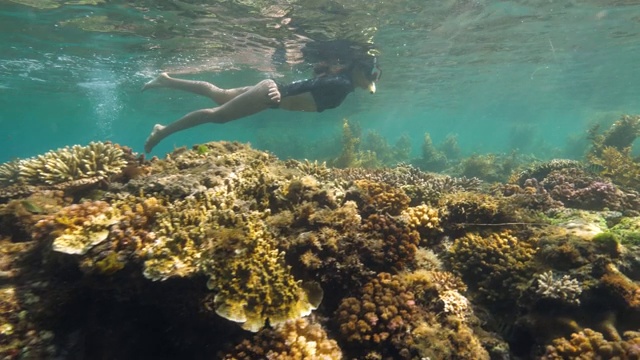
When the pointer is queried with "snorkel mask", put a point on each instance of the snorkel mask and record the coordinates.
(374, 75)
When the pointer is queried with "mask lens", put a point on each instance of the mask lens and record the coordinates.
(376, 73)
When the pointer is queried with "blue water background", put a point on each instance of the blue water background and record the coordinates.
(500, 75)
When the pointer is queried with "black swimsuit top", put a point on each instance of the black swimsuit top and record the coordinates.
(328, 91)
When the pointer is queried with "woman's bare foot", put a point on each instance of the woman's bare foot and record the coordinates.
(154, 138)
(159, 81)
(274, 93)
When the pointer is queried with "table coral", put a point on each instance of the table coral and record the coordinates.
(299, 339)
(97, 159)
(77, 228)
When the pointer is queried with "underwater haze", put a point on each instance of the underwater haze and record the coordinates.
(530, 76)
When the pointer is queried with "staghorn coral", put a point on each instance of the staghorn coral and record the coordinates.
(590, 344)
(10, 172)
(253, 285)
(564, 289)
(96, 160)
(299, 339)
(496, 266)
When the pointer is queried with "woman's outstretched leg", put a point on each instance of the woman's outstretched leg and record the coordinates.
(257, 98)
(203, 88)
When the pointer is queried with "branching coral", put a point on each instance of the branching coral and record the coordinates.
(67, 164)
(564, 289)
(469, 208)
(298, 339)
(579, 189)
(539, 171)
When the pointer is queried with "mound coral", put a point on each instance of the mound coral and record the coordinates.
(397, 317)
(373, 197)
(399, 243)
(497, 266)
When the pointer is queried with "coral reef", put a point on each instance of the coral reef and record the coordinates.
(224, 251)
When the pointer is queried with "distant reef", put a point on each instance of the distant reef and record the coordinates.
(222, 251)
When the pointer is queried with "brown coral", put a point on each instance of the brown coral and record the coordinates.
(299, 339)
(253, 285)
(374, 197)
(399, 243)
(496, 265)
(590, 344)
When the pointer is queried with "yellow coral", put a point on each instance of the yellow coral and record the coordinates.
(254, 286)
(79, 227)
(496, 265)
(422, 218)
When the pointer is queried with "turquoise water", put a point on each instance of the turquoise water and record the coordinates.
(498, 74)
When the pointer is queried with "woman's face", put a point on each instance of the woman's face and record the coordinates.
(363, 79)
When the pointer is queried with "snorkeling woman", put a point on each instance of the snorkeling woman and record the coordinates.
(327, 90)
